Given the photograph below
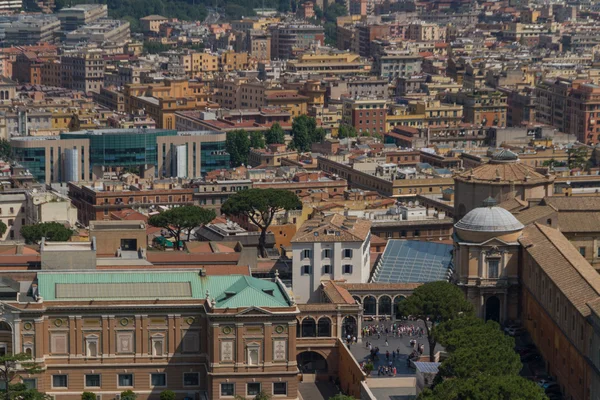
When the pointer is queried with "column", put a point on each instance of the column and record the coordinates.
(240, 359)
(482, 307)
(17, 337)
(339, 323)
(359, 327)
(376, 308)
(40, 334)
(268, 343)
(171, 335)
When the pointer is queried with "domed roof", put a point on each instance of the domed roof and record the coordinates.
(499, 173)
(489, 219)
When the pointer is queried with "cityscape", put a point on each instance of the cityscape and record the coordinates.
(299, 200)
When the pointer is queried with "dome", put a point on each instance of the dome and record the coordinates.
(489, 219)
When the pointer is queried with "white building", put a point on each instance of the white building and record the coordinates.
(12, 213)
(329, 247)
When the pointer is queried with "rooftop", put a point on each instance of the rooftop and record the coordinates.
(333, 228)
(489, 219)
(231, 291)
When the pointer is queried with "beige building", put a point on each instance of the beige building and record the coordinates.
(503, 178)
(194, 63)
(152, 23)
(12, 213)
(329, 63)
(486, 259)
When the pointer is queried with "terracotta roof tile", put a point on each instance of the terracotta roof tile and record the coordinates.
(534, 214)
(503, 173)
(568, 270)
(337, 294)
(333, 228)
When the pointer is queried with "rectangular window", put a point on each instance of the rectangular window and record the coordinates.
(191, 379)
(582, 251)
(59, 381)
(280, 388)
(158, 379)
(327, 253)
(227, 389)
(92, 380)
(126, 380)
(305, 253)
(347, 269)
(347, 253)
(306, 270)
(253, 389)
(493, 269)
(326, 269)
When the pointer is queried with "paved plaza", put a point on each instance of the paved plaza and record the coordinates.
(361, 352)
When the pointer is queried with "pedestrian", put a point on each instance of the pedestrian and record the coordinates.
(386, 343)
(394, 370)
(387, 355)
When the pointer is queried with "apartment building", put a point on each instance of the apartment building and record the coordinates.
(287, 39)
(334, 247)
(484, 107)
(152, 23)
(392, 66)
(82, 14)
(30, 30)
(100, 32)
(582, 113)
(365, 115)
(329, 64)
(83, 71)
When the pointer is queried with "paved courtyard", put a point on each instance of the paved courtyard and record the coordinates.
(361, 352)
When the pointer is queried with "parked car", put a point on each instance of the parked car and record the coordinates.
(515, 331)
(546, 383)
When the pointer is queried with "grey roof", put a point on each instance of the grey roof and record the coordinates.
(411, 261)
(431, 367)
(489, 219)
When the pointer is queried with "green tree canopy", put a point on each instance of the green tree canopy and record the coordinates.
(178, 219)
(168, 395)
(257, 140)
(305, 133)
(88, 396)
(52, 231)
(346, 131)
(577, 157)
(435, 302)
(237, 145)
(275, 134)
(128, 395)
(9, 372)
(3, 228)
(341, 397)
(485, 387)
(5, 150)
(260, 206)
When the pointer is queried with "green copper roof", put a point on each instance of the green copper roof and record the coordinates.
(229, 291)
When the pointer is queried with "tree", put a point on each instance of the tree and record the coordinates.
(275, 134)
(3, 228)
(11, 365)
(485, 387)
(261, 396)
(577, 156)
(5, 150)
(435, 302)
(128, 395)
(237, 145)
(341, 397)
(178, 219)
(257, 140)
(305, 133)
(168, 395)
(51, 231)
(88, 396)
(20, 391)
(346, 131)
(260, 206)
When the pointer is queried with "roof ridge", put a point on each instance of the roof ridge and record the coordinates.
(545, 230)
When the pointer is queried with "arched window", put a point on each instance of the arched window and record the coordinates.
(309, 327)
(385, 305)
(370, 305)
(324, 327)
(397, 301)
(158, 345)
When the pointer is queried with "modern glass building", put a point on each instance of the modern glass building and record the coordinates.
(153, 152)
